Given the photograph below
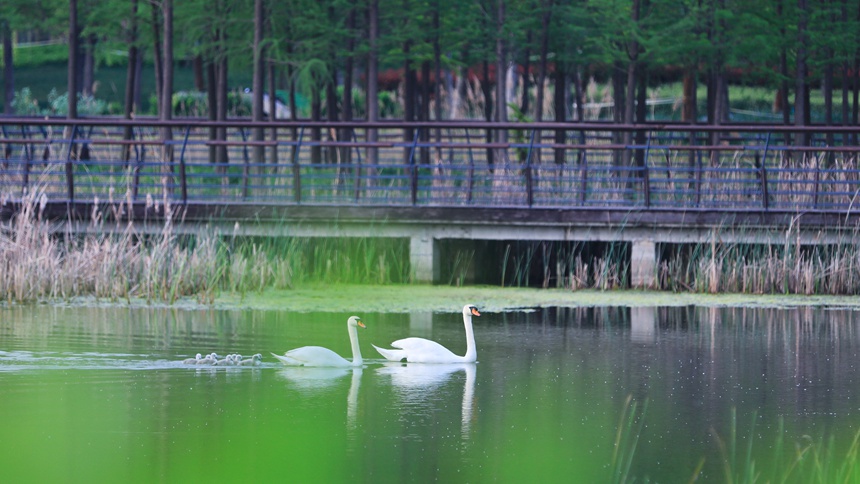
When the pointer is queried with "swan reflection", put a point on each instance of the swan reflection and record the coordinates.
(311, 379)
(416, 384)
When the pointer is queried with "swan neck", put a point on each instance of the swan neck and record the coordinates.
(471, 351)
(356, 350)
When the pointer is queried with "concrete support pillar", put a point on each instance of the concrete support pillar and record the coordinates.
(424, 258)
(643, 264)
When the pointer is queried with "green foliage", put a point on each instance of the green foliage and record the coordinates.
(32, 56)
(87, 105)
(24, 104)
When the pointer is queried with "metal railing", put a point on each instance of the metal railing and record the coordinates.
(546, 165)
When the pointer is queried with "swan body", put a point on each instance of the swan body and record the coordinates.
(209, 359)
(192, 361)
(420, 350)
(319, 356)
(254, 361)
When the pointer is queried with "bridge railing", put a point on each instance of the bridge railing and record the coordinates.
(564, 165)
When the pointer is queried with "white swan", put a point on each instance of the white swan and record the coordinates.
(420, 350)
(319, 356)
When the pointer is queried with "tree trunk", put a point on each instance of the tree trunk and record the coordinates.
(348, 67)
(259, 76)
(486, 88)
(372, 84)
(544, 53)
(8, 68)
(688, 112)
(801, 97)
(331, 111)
(212, 100)
(221, 109)
(618, 92)
(273, 111)
(130, 76)
(424, 112)
(167, 93)
(408, 97)
(156, 54)
(560, 110)
(501, 76)
(72, 112)
(524, 100)
(437, 71)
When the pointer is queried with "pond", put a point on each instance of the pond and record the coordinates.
(100, 394)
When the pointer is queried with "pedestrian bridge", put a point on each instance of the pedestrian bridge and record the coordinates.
(642, 185)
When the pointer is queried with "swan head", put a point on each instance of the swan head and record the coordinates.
(471, 310)
(355, 321)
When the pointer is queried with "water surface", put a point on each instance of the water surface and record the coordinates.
(100, 394)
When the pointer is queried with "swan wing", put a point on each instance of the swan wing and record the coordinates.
(420, 350)
(312, 356)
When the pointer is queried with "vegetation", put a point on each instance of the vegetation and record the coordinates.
(121, 263)
(446, 59)
(806, 460)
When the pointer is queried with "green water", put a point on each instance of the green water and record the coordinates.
(100, 395)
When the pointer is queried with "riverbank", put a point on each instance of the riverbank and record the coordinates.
(404, 298)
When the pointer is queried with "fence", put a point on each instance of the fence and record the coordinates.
(546, 165)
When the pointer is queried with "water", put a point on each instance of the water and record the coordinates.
(99, 394)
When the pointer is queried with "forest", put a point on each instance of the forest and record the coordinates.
(497, 60)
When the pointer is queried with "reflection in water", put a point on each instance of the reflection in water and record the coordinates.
(416, 385)
(312, 378)
(308, 379)
(643, 324)
(551, 389)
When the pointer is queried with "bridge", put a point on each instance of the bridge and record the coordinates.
(432, 182)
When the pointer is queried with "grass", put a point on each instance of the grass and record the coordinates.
(122, 263)
(805, 460)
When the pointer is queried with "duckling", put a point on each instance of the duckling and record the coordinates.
(254, 361)
(192, 361)
(227, 361)
(208, 360)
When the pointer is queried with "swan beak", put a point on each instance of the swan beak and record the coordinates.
(360, 324)
(475, 312)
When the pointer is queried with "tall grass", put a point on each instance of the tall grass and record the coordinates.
(120, 262)
(804, 461)
(789, 268)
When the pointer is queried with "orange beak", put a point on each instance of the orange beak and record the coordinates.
(360, 324)
(475, 312)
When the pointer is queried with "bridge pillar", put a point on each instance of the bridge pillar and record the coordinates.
(424, 258)
(643, 264)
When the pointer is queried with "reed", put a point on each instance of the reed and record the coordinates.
(806, 461)
(738, 459)
(120, 262)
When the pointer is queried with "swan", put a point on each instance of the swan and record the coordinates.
(254, 361)
(420, 350)
(319, 356)
(192, 361)
(208, 359)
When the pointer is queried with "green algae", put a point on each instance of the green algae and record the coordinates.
(409, 298)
